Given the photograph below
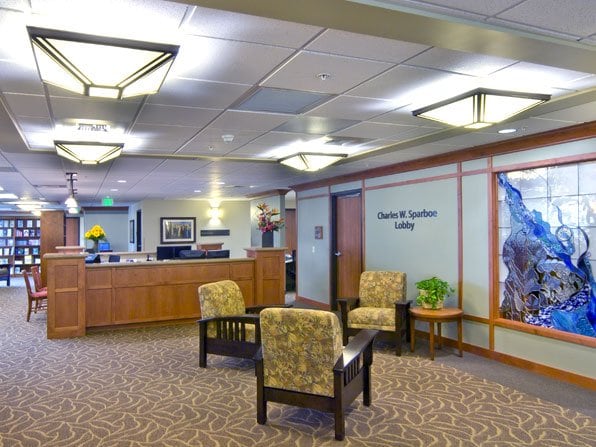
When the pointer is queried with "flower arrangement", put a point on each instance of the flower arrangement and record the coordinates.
(265, 217)
(96, 233)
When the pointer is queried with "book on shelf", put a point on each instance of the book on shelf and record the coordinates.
(28, 259)
(25, 233)
(3, 261)
(20, 224)
(29, 224)
(17, 270)
(33, 242)
(18, 262)
(37, 260)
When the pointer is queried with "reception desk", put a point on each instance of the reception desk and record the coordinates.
(83, 296)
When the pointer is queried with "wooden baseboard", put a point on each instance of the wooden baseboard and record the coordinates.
(544, 370)
(313, 303)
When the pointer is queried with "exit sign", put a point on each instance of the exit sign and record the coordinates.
(107, 201)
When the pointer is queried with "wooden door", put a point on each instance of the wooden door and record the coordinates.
(347, 246)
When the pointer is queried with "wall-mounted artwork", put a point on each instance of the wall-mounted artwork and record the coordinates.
(546, 219)
(319, 232)
(174, 230)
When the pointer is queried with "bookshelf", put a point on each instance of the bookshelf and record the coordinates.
(20, 240)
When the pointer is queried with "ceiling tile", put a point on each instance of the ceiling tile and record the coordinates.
(575, 17)
(244, 63)
(460, 62)
(300, 73)
(352, 108)
(193, 93)
(344, 43)
(314, 125)
(27, 105)
(261, 122)
(278, 100)
(244, 27)
(181, 116)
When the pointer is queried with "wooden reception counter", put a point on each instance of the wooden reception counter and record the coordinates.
(82, 296)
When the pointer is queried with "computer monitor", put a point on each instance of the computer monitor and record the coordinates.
(103, 246)
(192, 254)
(92, 258)
(164, 252)
(178, 248)
(211, 254)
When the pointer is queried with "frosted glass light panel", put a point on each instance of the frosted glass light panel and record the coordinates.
(547, 218)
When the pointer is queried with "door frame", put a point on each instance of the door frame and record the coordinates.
(333, 241)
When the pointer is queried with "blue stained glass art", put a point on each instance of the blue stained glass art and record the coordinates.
(543, 286)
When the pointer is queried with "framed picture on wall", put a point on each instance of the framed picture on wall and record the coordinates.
(319, 232)
(131, 231)
(174, 230)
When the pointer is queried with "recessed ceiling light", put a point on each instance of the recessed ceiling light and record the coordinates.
(198, 190)
(219, 183)
(507, 130)
(228, 138)
(121, 181)
(114, 189)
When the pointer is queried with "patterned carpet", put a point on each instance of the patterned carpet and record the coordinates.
(143, 387)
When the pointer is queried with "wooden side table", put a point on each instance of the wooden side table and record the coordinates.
(438, 316)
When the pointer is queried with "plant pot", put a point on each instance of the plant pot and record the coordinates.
(267, 239)
(439, 305)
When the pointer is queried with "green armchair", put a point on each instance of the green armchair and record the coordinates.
(381, 305)
(302, 363)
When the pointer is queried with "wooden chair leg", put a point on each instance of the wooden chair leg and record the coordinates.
(202, 347)
(29, 309)
(340, 424)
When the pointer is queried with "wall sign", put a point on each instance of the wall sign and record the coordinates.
(407, 219)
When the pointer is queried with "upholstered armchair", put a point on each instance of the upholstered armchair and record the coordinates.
(226, 326)
(381, 305)
(302, 363)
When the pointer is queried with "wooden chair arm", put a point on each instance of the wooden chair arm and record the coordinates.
(247, 318)
(348, 303)
(361, 342)
(258, 309)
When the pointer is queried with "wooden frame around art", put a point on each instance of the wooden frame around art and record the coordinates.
(131, 231)
(175, 230)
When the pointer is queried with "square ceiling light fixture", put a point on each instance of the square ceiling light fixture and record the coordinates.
(311, 161)
(104, 67)
(87, 152)
(480, 108)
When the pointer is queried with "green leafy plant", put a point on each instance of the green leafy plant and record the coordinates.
(433, 291)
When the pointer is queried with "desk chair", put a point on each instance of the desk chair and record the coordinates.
(35, 300)
(37, 279)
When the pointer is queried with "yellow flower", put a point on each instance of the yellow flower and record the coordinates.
(95, 233)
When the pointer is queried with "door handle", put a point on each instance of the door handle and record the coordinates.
(338, 253)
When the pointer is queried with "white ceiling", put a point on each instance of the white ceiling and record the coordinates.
(385, 58)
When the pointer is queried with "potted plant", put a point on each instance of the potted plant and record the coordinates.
(433, 292)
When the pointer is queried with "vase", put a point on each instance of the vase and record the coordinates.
(95, 247)
(267, 239)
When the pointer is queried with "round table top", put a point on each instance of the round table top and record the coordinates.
(445, 312)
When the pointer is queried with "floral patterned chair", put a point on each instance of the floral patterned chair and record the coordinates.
(381, 305)
(302, 362)
(227, 326)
